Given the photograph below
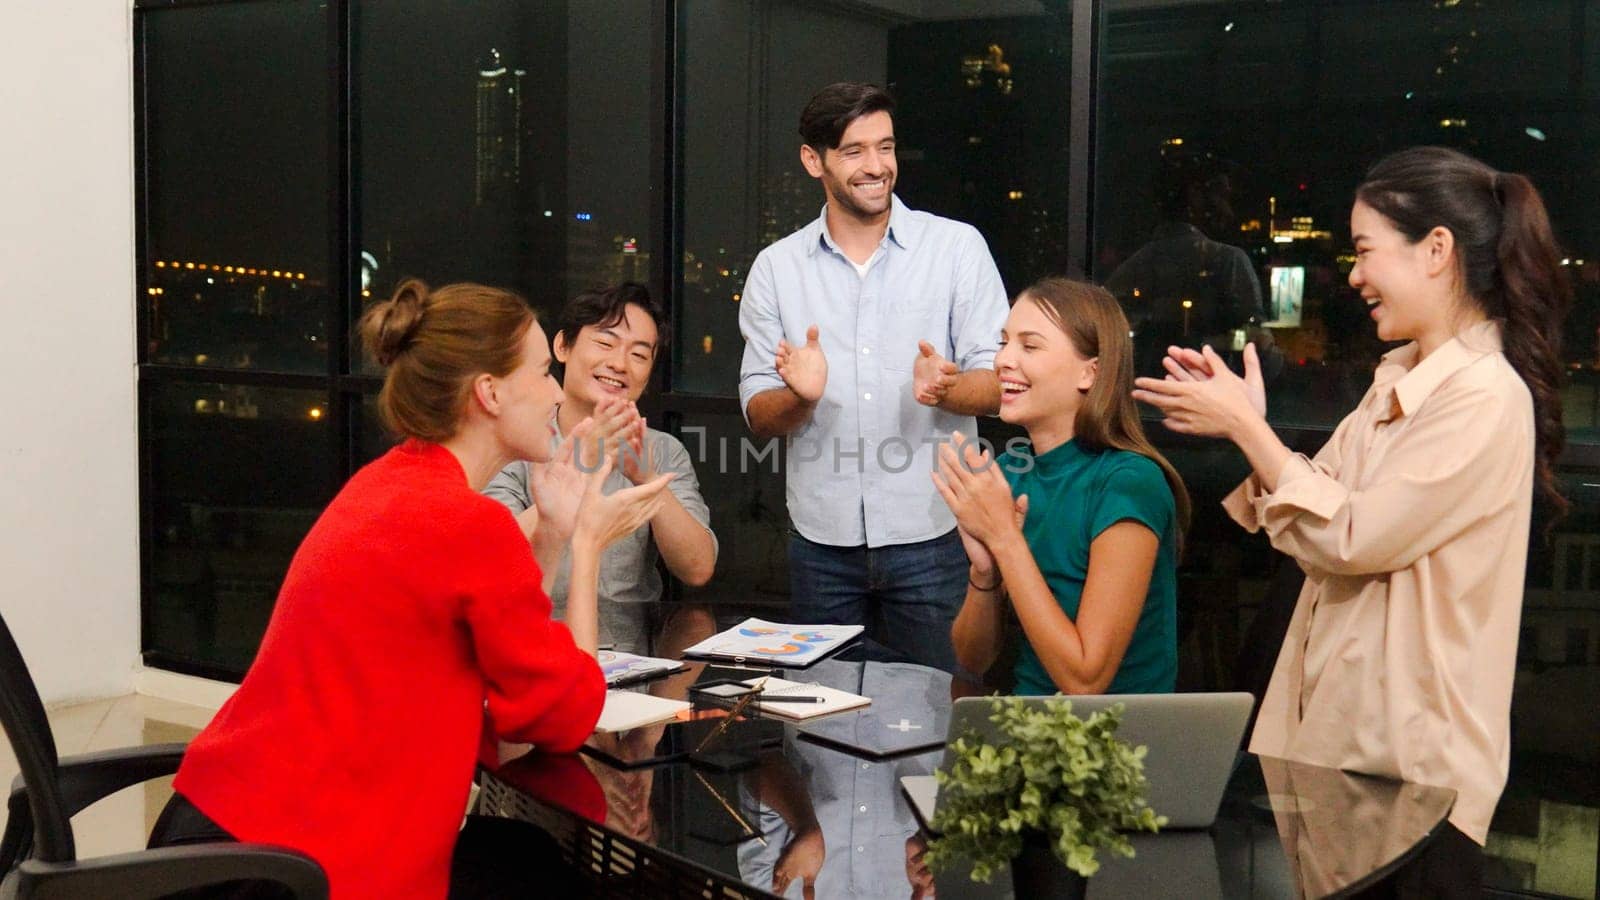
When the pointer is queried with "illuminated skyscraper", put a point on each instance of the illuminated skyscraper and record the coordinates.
(499, 131)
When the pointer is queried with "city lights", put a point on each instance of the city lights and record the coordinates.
(230, 269)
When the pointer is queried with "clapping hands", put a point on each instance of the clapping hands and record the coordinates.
(571, 502)
(1201, 396)
(804, 369)
(977, 493)
(932, 375)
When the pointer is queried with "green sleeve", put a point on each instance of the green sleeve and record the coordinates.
(1134, 489)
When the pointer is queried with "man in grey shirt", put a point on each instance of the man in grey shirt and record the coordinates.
(607, 341)
(870, 336)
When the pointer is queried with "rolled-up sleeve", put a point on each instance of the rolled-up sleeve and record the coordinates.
(686, 485)
(1459, 462)
(762, 328)
(979, 310)
(1244, 503)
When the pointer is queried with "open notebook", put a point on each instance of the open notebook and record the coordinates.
(833, 700)
(626, 710)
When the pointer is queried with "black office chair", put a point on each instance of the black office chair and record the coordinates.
(37, 858)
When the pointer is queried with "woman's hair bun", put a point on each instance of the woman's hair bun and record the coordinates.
(389, 327)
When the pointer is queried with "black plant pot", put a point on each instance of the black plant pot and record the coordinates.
(1036, 874)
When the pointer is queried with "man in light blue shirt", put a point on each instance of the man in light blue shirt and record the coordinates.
(870, 336)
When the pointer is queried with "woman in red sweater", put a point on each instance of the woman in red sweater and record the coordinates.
(413, 615)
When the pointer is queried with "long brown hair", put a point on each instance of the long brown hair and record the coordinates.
(434, 343)
(1509, 265)
(1092, 319)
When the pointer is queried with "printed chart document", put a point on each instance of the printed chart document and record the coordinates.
(626, 710)
(628, 668)
(774, 642)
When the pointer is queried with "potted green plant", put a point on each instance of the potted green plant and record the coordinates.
(1051, 791)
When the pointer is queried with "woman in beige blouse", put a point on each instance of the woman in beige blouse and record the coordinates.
(1412, 522)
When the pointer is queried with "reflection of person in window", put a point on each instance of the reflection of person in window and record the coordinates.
(1184, 288)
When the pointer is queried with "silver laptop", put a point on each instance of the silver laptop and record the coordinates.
(1193, 742)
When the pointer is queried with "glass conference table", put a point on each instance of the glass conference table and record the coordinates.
(641, 820)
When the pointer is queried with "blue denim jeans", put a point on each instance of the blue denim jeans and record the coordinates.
(906, 595)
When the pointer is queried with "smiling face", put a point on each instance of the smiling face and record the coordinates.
(608, 360)
(858, 175)
(528, 398)
(1402, 282)
(1043, 377)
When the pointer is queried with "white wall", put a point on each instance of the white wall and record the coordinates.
(69, 570)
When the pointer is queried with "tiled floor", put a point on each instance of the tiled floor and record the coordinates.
(122, 821)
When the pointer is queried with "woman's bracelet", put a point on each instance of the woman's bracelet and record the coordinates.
(991, 588)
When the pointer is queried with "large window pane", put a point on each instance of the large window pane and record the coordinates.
(981, 129)
(508, 143)
(1546, 831)
(237, 474)
(237, 159)
(1231, 138)
(371, 439)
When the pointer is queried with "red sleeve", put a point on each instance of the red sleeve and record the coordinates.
(542, 689)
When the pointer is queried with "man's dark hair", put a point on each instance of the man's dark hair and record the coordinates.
(603, 307)
(830, 112)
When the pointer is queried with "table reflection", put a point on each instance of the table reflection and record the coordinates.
(860, 838)
(1342, 831)
(829, 814)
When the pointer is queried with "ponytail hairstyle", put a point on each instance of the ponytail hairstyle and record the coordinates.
(433, 344)
(1093, 320)
(1508, 263)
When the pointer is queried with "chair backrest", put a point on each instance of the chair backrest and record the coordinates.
(26, 726)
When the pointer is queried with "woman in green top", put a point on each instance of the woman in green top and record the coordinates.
(1087, 552)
